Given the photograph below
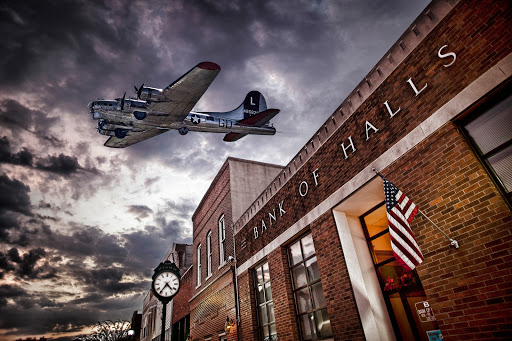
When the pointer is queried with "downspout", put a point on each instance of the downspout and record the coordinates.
(235, 280)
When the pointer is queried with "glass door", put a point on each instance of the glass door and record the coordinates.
(411, 314)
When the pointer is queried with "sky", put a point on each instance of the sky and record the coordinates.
(82, 226)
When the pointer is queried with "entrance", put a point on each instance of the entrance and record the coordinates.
(411, 315)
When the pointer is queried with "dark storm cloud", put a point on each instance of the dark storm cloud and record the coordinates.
(10, 291)
(14, 196)
(141, 211)
(57, 56)
(23, 157)
(45, 28)
(17, 118)
(62, 164)
(27, 264)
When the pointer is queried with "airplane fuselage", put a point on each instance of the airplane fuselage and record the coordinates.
(135, 116)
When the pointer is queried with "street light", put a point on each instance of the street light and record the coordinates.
(228, 327)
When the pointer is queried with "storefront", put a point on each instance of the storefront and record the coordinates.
(313, 254)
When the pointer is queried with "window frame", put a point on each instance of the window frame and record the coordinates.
(479, 108)
(198, 262)
(208, 254)
(262, 326)
(309, 284)
(222, 240)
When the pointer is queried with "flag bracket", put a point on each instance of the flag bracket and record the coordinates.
(453, 242)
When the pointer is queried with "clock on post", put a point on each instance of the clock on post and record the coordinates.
(165, 285)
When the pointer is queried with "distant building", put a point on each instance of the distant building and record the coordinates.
(181, 255)
(135, 325)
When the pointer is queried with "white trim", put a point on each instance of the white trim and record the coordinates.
(473, 92)
(367, 292)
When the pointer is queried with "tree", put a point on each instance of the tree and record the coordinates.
(107, 331)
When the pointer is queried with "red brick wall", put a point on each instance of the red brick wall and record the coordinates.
(181, 307)
(284, 306)
(214, 299)
(338, 291)
(208, 311)
(468, 287)
(214, 205)
(248, 329)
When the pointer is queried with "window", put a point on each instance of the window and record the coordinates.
(199, 265)
(314, 322)
(407, 303)
(209, 254)
(489, 130)
(264, 303)
(222, 241)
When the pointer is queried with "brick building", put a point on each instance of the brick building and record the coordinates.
(312, 248)
(314, 259)
(236, 186)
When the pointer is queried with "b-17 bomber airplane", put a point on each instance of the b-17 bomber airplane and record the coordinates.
(155, 111)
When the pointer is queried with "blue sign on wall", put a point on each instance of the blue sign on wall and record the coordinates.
(435, 335)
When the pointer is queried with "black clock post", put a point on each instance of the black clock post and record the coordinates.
(165, 285)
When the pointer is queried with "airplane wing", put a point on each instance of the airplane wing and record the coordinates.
(182, 95)
(132, 138)
(232, 137)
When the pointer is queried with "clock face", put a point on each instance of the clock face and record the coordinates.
(166, 284)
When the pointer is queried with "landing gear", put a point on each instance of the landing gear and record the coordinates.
(121, 133)
(183, 130)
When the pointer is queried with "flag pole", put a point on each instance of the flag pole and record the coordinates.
(453, 242)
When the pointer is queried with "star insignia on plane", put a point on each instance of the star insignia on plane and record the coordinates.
(195, 119)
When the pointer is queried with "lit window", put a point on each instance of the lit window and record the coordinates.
(209, 254)
(314, 322)
(401, 289)
(222, 241)
(490, 134)
(267, 323)
(199, 265)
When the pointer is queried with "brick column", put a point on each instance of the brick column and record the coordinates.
(284, 306)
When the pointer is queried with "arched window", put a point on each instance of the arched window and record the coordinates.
(209, 254)
(222, 240)
(199, 265)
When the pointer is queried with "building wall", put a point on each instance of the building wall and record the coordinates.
(208, 310)
(181, 305)
(206, 219)
(467, 287)
(236, 185)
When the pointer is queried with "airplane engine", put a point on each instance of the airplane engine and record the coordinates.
(183, 130)
(140, 115)
(149, 94)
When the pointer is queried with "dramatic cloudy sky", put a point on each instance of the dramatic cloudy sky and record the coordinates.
(81, 225)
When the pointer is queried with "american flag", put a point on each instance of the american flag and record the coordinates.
(400, 212)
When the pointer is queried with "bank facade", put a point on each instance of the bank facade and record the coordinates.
(312, 258)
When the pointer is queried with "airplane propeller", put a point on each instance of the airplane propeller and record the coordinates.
(122, 101)
(139, 90)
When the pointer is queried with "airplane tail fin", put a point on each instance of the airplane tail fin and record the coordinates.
(253, 104)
